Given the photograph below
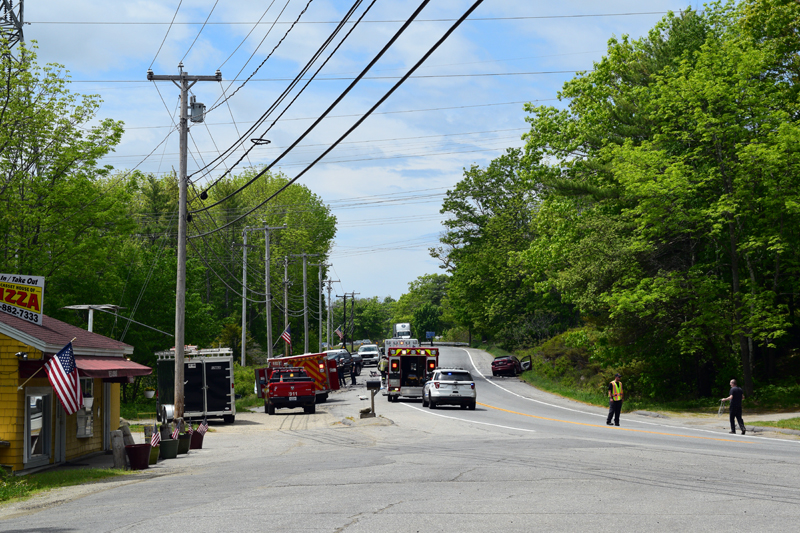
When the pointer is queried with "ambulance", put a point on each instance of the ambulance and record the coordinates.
(408, 371)
(321, 369)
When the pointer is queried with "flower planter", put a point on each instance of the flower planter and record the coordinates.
(197, 441)
(138, 455)
(149, 394)
(184, 442)
(154, 451)
(169, 448)
(88, 402)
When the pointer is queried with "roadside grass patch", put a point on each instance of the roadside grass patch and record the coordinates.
(248, 402)
(13, 487)
(788, 423)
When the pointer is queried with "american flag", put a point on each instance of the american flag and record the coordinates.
(176, 432)
(287, 334)
(63, 376)
(202, 428)
(189, 429)
(155, 440)
(339, 332)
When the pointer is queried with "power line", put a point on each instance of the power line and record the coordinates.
(369, 112)
(199, 32)
(338, 99)
(348, 78)
(476, 19)
(291, 86)
(165, 35)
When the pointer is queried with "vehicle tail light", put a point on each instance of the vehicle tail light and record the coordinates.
(436, 384)
(431, 365)
(395, 366)
(321, 366)
(472, 385)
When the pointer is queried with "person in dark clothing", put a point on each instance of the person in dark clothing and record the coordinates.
(614, 400)
(347, 369)
(353, 373)
(737, 394)
(342, 369)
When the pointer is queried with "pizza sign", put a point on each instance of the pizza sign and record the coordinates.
(22, 296)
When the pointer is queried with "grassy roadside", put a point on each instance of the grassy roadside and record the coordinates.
(789, 423)
(568, 389)
(20, 487)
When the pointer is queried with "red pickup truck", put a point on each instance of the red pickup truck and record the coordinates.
(290, 387)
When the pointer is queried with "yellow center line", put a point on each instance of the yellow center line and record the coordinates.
(619, 428)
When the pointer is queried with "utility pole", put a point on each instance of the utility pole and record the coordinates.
(305, 297)
(244, 246)
(267, 229)
(319, 302)
(330, 321)
(198, 110)
(285, 300)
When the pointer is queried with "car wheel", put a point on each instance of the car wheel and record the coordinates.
(472, 406)
(463, 406)
(270, 409)
(424, 401)
(310, 410)
(494, 374)
(228, 419)
(432, 404)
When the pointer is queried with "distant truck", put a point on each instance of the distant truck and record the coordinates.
(408, 371)
(401, 330)
(399, 343)
(290, 387)
(321, 369)
(208, 385)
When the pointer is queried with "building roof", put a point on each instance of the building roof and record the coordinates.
(53, 334)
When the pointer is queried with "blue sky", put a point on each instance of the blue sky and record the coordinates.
(386, 182)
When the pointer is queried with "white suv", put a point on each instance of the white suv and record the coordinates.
(449, 386)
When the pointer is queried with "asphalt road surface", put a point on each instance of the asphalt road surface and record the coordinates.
(522, 461)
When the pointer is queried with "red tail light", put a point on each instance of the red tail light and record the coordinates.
(472, 385)
(395, 366)
(436, 384)
(431, 365)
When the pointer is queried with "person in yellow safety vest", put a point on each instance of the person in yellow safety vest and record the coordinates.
(614, 400)
(383, 366)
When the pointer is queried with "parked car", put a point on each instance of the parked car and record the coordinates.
(506, 365)
(449, 386)
(370, 355)
(343, 356)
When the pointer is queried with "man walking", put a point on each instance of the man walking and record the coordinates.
(614, 400)
(342, 369)
(736, 406)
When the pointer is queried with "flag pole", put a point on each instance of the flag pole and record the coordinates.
(39, 370)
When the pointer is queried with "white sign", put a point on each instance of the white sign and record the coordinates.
(22, 296)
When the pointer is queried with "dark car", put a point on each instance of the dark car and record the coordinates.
(507, 365)
(343, 356)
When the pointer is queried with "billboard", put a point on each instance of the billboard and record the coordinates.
(22, 296)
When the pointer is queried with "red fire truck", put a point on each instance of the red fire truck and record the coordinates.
(408, 371)
(320, 369)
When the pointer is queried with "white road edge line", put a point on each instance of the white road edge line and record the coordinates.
(468, 421)
(603, 416)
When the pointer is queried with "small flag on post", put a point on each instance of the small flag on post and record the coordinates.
(202, 428)
(339, 332)
(155, 440)
(189, 429)
(287, 334)
(176, 432)
(63, 375)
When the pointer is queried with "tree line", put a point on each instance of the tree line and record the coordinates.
(656, 208)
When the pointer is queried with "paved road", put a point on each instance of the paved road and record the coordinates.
(522, 461)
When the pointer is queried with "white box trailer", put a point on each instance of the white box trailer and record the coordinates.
(208, 385)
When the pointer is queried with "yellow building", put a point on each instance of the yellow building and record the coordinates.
(35, 431)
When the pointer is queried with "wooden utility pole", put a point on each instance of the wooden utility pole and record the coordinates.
(305, 297)
(184, 81)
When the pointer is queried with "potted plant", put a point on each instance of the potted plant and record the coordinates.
(149, 392)
(88, 401)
